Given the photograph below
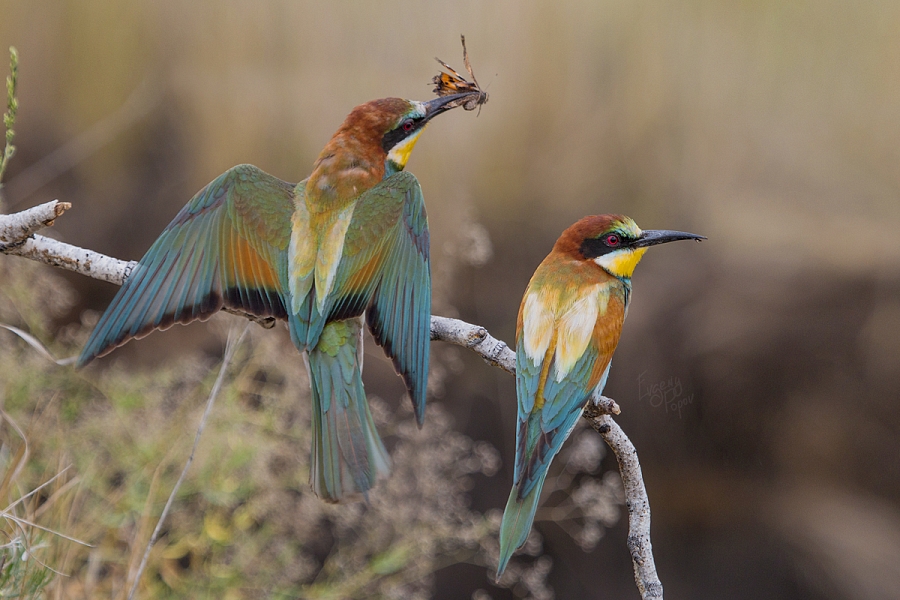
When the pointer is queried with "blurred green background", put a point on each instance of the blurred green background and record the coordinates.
(772, 457)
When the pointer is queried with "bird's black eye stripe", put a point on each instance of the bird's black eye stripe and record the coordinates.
(396, 135)
(606, 243)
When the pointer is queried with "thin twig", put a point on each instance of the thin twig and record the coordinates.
(230, 348)
(477, 339)
(495, 352)
(636, 500)
(38, 346)
(144, 523)
(32, 492)
(22, 521)
(22, 224)
(21, 457)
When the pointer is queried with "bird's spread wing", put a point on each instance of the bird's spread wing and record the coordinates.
(385, 272)
(227, 247)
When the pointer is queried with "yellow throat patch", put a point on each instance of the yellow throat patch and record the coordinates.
(399, 154)
(621, 263)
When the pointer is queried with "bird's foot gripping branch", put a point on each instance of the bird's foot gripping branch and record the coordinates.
(17, 234)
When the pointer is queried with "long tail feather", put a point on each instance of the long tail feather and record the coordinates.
(517, 519)
(347, 455)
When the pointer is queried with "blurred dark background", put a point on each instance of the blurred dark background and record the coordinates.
(773, 461)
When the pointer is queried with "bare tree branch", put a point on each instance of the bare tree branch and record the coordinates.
(636, 500)
(17, 237)
(477, 339)
(16, 227)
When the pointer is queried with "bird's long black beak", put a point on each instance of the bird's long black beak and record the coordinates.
(444, 103)
(651, 237)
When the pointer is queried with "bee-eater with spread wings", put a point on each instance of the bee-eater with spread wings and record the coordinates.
(568, 328)
(348, 243)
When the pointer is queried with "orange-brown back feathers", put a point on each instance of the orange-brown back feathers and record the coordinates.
(353, 160)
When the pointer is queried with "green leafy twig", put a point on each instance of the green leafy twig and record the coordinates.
(12, 106)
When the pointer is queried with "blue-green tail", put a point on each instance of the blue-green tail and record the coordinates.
(517, 519)
(347, 453)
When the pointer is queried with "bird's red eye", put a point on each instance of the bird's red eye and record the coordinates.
(613, 240)
(408, 125)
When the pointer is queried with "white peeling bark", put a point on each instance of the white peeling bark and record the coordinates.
(18, 238)
(72, 258)
(477, 339)
(20, 225)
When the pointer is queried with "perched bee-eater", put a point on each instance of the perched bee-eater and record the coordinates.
(348, 243)
(568, 327)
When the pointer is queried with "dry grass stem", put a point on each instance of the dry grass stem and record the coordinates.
(231, 347)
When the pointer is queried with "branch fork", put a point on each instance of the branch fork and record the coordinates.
(16, 229)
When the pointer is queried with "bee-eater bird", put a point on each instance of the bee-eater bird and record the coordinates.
(349, 243)
(568, 328)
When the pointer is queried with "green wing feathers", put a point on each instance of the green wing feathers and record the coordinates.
(385, 273)
(226, 248)
(399, 316)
